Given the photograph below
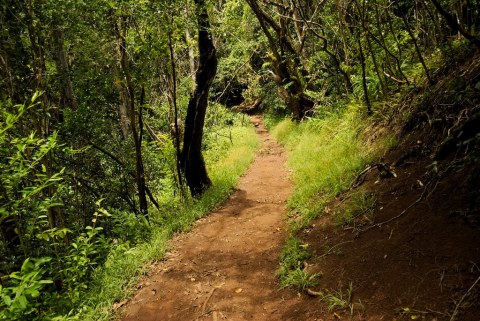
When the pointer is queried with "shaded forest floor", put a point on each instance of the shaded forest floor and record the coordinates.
(411, 253)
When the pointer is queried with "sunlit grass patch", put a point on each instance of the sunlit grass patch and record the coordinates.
(324, 154)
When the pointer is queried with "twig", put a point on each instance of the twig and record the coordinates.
(356, 183)
(335, 246)
(441, 281)
(204, 307)
(314, 293)
(381, 167)
(454, 314)
(401, 214)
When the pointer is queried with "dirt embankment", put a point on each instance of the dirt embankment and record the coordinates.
(415, 253)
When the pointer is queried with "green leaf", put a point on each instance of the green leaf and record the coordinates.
(26, 265)
(22, 301)
(35, 96)
(99, 202)
(7, 299)
(43, 236)
(45, 281)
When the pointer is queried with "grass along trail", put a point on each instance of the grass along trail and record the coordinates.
(225, 267)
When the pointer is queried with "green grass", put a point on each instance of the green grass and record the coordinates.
(115, 280)
(324, 155)
(292, 258)
(342, 300)
(359, 206)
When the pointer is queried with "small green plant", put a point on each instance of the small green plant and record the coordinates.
(292, 258)
(358, 207)
(341, 300)
(300, 279)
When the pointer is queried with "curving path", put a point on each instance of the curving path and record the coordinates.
(224, 269)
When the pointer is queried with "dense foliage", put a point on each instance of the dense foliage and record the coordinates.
(91, 93)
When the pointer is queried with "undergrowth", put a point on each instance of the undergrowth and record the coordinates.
(114, 281)
(325, 153)
(292, 272)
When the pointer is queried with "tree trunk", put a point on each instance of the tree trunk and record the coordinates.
(417, 48)
(454, 25)
(193, 164)
(286, 63)
(124, 119)
(63, 70)
(191, 49)
(128, 94)
(176, 126)
(364, 77)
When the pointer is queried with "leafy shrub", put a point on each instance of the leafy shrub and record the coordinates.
(23, 296)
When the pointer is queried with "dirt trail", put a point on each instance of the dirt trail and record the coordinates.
(224, 269)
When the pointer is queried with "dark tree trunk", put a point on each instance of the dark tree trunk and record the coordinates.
(364, 77)
(192, 162)
(454, 25)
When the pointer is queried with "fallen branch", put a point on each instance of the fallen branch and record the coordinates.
(454, 314)
(314, 293)
(204, 307)
(384, 169)
(333, 247)
(401, 213)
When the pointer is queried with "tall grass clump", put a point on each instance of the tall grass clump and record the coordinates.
(324, 154)
(233, 150)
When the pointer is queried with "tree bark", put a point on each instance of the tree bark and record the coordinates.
(128, 93)
(124, 119)
(176, 127)
(285, 59)
(191, 49)
(454, 25)
(67, 98)
(192, 162)
(417, 48)
(364, 77)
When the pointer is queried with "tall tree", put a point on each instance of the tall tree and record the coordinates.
(127, 92)
(191, 158)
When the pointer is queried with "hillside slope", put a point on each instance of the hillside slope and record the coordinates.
(413, 250)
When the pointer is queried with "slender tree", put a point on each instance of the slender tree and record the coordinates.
(191, 158)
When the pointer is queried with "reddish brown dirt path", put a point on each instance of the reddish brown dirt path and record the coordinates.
(224, 269)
